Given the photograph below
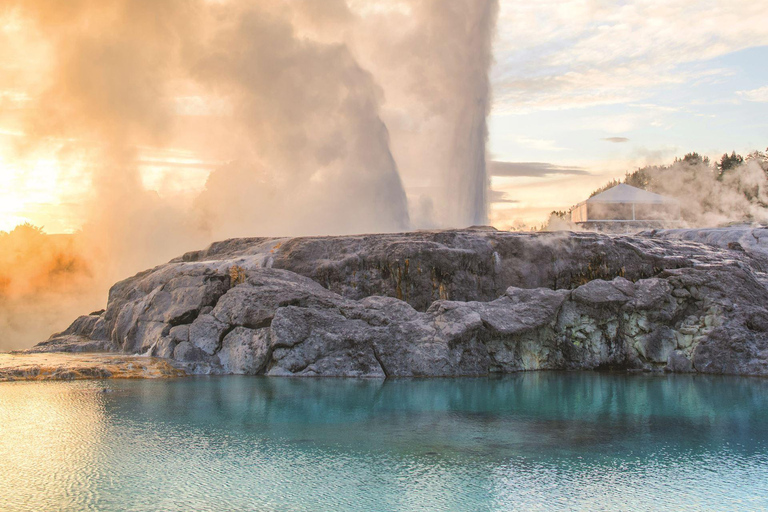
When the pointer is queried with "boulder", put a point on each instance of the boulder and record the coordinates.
(678, 362)
(245, 351)
(206, 333)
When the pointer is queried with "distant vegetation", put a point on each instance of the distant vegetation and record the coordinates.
(32, 261)
(733, 189)
(43, 280)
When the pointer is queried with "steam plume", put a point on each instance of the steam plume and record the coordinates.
(289, 104)
(438, 92)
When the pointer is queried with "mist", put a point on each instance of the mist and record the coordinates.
(307, 118)
(709, 196)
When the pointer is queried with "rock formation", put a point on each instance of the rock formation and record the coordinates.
(447, 303)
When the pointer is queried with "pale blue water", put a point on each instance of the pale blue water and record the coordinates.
(541, 441)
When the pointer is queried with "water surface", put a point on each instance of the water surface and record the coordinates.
(536, 441)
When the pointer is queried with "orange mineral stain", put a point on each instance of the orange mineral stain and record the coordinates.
(14, 367)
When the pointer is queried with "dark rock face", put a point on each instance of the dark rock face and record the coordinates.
(449, 303)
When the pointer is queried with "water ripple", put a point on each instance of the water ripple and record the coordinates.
(529, 442)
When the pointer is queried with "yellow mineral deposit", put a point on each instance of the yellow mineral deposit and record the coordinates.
(15, 367)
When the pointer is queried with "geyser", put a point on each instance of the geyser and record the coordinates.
(432, 60)
(309, 118)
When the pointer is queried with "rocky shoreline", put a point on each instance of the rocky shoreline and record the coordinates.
(446, 303)
(61, 366)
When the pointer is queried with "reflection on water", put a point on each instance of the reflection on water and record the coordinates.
(541, 441)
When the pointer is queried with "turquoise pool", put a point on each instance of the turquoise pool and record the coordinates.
(537, 441)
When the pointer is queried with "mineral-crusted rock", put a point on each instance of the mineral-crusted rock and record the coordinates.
(164, 348)
(179, 333)
(53, 366)
(86, 334)
(752, 240)
(245, 351)
(679, 363)
(599, 293)
(450, 303)
(206, 333)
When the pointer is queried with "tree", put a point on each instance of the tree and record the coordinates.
(641, 178)
(694, 159)
(760, 157)
(728, 162)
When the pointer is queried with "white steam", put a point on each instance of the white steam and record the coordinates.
(322, 118)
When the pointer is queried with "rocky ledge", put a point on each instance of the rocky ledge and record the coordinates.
(447, 303)
(52, 366)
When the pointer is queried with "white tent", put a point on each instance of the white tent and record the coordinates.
(624, 203)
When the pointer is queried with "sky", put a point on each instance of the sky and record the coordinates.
(588, 90)
(583, 91)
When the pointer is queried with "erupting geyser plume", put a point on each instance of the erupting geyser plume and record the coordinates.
(433, 59)
(466, 179)
(305, 117)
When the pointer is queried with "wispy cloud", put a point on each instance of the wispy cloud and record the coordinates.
(758, 95)
(497, 196)
(532, 169)
(539, 144)
(616, 140)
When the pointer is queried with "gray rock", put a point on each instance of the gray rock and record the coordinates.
(206, 333)
(245, 351)
(145, 335)
(85, 334)
(309, 342)
(601, 293)
(657, 345)
(181, 298)
(651, 294)
(165, 348)
(625, 286)
(90, 326)
(521, 310)
(679, 363)
(462, 265)
(448, 303)
(442, 342)
(73, 343)
(188, 353)
(180, 333)
(254, 303)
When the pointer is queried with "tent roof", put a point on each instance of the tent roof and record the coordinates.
(626, 194)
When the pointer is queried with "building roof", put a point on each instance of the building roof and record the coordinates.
(630, 195)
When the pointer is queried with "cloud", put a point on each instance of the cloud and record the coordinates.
(540, 144)
(616, 140)
(657, 108)
(532, 170)
(497, 196)
(758, 95)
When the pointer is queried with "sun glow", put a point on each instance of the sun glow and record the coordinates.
(31, 190)
(42, 189)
